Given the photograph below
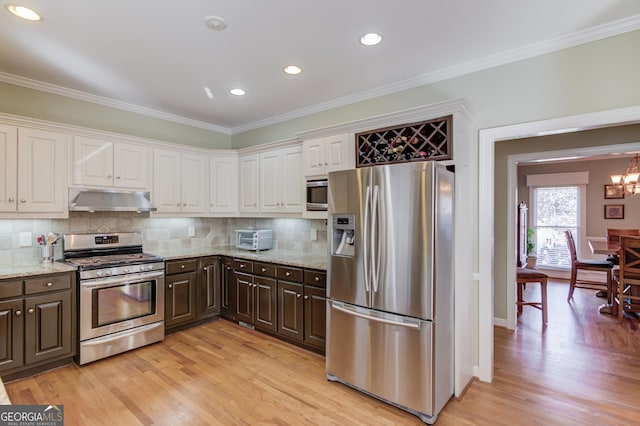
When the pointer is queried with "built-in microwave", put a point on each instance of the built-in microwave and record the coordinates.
(317, 191)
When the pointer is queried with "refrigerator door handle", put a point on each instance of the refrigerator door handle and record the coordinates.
(375, 247)
(365, 239)
(346, 310)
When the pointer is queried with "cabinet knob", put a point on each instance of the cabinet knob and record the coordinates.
(287, 273)
(242, 265)
(49, 284)
(30, 310)
(263, 269)
(18, 313)
(298, 295)
(306, 297)
(316, 279)
(255, 285)
(326, 164)
(22, 200)
(11, 199)
(170, 286)
(108, 176)
(117, 177)
(184, 204)
(182, 266)
(178, 205)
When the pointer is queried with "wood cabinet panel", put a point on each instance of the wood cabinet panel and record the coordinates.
(227, 290)
(180, 299)
(11, 334)
(209, 277)
(315, 316)
(48, 326)
(265, 315)
(290, 310)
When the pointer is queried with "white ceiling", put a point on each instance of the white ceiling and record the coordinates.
(156, 56)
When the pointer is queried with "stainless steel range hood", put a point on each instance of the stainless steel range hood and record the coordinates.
(109, 200)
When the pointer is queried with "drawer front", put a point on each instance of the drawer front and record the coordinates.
(243, 265)
(10, 289)
(266, 269)
(180, 266)
(317, 278)
(44, 284)
(290, 274)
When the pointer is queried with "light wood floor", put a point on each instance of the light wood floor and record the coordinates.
(583, 368)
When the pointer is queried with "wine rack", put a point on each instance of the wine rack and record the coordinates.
(426, 140)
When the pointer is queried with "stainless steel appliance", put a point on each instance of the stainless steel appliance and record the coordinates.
(390, 291)
(121, 293)
(254, 239)
(317, 194)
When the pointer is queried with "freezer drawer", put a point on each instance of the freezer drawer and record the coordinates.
(386, 355)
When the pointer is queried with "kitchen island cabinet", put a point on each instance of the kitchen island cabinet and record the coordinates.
(37, 322)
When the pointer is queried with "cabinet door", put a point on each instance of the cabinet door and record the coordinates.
(180, 299)
(194, 183)
(228, 290)
(166, 181)
(209, 271)
(92, 161)
(313, 157)
(339, 153)
(9, 168)
(244, 297)
(48, 326)
(42, 159)
(292, 198)
(290, 308)
(270, 182)
(315, 314)
(249, 183)
(265, 316)
(130, 166)
(223, 184)
(11, 334)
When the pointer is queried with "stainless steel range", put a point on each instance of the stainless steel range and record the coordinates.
(121, 302)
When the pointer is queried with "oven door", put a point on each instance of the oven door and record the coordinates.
(109, 305)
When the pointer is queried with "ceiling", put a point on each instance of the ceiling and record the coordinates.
(156, 57)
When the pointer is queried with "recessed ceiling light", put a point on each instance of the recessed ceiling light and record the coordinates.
(237, 92)
(215, 23)
(371, 39)
(24, 12)
(292, 69)
(208, 92)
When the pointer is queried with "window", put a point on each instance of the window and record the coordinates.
(555, 209)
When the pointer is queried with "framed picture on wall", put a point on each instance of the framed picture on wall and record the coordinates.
(614, 211)
(614, 191)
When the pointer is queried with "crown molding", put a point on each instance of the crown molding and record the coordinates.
(611, 29)
(112, 103)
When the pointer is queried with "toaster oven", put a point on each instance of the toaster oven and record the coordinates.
(254, 239)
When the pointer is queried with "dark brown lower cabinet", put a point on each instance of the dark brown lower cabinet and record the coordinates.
(227, 289)
(209, 275)
(37, 325)
(290, 310)
(180, 293)
(315, 316)
(256, 301)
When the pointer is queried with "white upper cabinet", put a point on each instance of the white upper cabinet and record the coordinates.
(249, 182)
(179, 182)
(223, 183)
(33, 176)
(328, 154)
(106, 163)
(281, 181)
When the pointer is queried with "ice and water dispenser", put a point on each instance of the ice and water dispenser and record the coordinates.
(343, 241)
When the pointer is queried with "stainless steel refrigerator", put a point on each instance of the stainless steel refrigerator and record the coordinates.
(390, 292)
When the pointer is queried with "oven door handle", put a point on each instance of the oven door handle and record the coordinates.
(124, 279)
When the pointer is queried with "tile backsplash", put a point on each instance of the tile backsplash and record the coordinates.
(159, 233)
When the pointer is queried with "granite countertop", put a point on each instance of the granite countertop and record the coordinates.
(8, 272)
(283, 257)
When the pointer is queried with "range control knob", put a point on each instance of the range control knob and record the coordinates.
(125, 270)
(99, 273)
(108, 272)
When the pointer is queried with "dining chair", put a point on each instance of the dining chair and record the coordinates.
(613, 237)
(587, 265)
(524, 276)
(628, 296)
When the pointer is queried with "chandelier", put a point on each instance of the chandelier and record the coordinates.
(630, 178)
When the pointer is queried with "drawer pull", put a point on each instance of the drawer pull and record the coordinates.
(287, 273)
(263, 269)
(316, 279)
(242, 265)
(18, 313)
(298, 295)
(49, 284)
(306, 298)
(170, 286)
(182, 266)
(30, 310)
